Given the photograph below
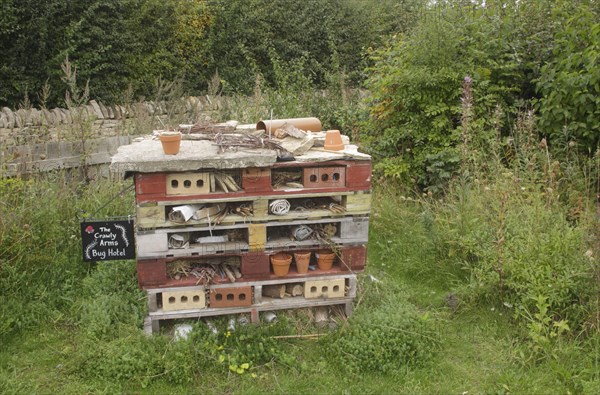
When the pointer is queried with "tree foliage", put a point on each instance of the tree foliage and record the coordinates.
(127, 45)
(569, 84)
(515, 53)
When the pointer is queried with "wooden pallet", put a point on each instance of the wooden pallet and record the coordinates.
(254, 266)
(260, 302)
(156, 214)
(164, 242)
(330, 177)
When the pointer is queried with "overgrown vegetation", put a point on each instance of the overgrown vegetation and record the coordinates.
(515, 55)
(483, 272)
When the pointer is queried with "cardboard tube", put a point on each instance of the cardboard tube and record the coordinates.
(312, 124)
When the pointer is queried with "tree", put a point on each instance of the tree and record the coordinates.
(416, 82)
(569, 84)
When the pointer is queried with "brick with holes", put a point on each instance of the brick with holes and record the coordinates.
(324, 177)
(230, 297)
(183, 300)
(325, 289)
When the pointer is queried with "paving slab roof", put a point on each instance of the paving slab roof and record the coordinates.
(147, 156)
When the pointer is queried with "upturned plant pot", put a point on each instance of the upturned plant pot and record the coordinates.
(302, 260)
(171, 141)
(281, 263)
(333, 141)
(325, 259)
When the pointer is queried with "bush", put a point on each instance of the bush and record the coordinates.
(517, 246)
(109, 300)
(385, 339)
(570, 85)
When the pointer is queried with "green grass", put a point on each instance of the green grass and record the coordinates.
(476, 347)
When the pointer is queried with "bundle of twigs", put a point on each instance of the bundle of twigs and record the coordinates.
(226, 182)
(324, 232)
(282, 178)
(229, 141)
(204, 274)
(207, 128)
(243, 209)
(178, 269)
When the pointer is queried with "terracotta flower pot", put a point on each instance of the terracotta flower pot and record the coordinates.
(333, 141)
(302, 260)
(281, 263)
(325, 259)
(171, 141)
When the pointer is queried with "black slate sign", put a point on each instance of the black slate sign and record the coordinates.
(107, 240)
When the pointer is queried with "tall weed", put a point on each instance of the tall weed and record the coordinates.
(40, 264)
(514, 230)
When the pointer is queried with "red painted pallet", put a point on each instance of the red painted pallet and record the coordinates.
(253, 266)
(335, 176)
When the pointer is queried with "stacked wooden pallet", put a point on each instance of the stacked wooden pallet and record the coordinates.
(205, 235)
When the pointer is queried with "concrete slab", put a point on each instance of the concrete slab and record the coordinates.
(318, 154)
(147, 157)
(296, 146)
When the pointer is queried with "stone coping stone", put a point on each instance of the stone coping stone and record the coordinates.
(147, 156)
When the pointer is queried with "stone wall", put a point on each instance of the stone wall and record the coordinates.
(35, 126)
(40, 140)
(94, 155)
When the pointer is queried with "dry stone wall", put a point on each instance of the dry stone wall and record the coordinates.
(38, 140)
(34, 126)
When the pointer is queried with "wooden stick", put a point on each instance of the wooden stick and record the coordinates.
(229, 273)
(309, 336)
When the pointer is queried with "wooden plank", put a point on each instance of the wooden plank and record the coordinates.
(291, 194)
(261, 210)
(352, 287)
(354, 228)
(150, 216)
(152, 302)
(267, 305)
(258, 294)
(240, 196)
(359, 202)
(151, 242)
(257, 237)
